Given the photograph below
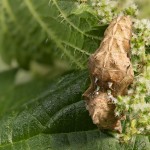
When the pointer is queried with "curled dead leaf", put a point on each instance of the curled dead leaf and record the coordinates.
(111, 73)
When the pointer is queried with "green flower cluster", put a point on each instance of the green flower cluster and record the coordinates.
(105, 9)
(140, 40)
(134, 105)
(136, 109)
(131, 9)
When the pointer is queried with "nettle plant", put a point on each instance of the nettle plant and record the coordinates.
(60, 36)
(135, 105)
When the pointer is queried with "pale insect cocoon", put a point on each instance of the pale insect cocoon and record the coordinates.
(111, 70)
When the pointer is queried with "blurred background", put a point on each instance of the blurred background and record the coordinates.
(144, 9)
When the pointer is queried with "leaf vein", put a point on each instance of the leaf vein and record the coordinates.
(50, 32)
(71, 23)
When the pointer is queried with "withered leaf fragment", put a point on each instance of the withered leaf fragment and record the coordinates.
(111, 73)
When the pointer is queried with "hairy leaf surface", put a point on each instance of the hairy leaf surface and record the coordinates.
(52, 115)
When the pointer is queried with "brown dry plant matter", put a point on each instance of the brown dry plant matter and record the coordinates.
(111, 73)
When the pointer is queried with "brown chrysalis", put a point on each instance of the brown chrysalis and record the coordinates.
(111, 73)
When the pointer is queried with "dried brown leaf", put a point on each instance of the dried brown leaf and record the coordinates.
(110, 71)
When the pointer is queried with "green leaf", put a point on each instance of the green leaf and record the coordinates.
(7, 79)
(45, 31)
(13, 95)
(46, 114)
